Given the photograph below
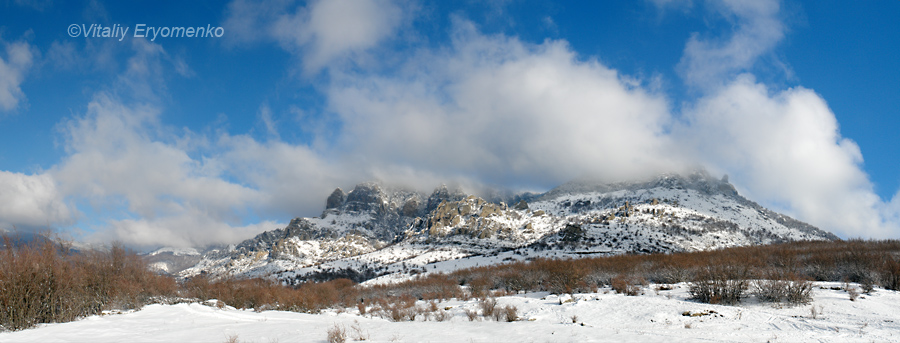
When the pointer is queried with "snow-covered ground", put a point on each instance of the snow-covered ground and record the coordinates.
(657, 316)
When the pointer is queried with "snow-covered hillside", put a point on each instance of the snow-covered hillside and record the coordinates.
(171, 260)
(375, 231)
(656, 316)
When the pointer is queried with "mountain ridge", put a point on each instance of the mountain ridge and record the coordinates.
(376, 230)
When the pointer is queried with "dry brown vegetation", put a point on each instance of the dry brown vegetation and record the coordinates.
(719, 276)
(45, 282)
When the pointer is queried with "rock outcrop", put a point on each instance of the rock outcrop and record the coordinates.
(337, 198)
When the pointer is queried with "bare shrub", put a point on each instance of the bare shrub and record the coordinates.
(424, 312)
(442, 315)
(724, 284)
(358, 333)
(396, 314)
(770, 290)
(672, 274)
(628, 285)
(337, 334)
(432, 306)
(853, 293)
(867, 285)
(565, 276)
(471, 314)
(799, 292)
(488, 306)
(498, 315)
(783, 287)
(510, 313)
(42, 281)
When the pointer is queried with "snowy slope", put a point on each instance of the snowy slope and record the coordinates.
(376, 232)
(656, 316)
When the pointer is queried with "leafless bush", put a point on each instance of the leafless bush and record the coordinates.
(337, 334)
(852, 292)
(358, 333)
(488, 306)
(396, 314)
(510, 313)
(628, 285)
(867, 285)
(442, 315)
(799, 292)
(720, 285)
(770, 290)
(790, 289)
(44, 281)
(472, 315)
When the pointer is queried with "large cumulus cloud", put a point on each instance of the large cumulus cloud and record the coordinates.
(784, 148)
(505, 112)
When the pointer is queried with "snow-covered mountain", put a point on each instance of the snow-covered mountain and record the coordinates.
(376, 231)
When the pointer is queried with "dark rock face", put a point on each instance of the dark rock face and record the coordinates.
(366, 197)
(336, 199)
(522, 205)
(411, 208)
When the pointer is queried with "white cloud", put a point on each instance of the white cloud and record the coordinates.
(114, 153)
(295, 178)
(781, 147)
(31, 202)
(193, 229)
(785, 148)
(322, 31)
(19, 58)
(121, 156)
(504, 112)
(265, 116)
(710, 62)
(151, 184)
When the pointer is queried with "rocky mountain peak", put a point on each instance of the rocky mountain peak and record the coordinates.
(442, 194)
(366, 197)
(336, 199)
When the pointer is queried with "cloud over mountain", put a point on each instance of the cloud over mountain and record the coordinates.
(482, 109)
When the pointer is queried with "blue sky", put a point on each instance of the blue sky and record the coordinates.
(203, 140)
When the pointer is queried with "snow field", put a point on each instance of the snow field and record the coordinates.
(656, 316)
